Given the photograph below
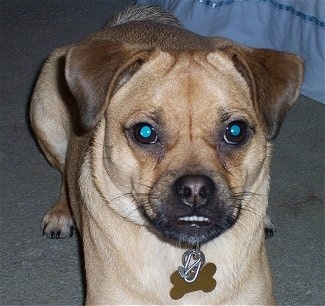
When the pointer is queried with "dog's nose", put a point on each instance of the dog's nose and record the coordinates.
(194, 190)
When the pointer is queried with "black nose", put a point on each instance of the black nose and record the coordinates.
(194, 190)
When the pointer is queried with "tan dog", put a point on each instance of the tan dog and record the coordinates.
(163, 140)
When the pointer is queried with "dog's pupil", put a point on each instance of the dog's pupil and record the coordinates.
(146, 131)
(235, 130)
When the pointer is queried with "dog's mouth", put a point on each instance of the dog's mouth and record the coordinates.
(194, 228)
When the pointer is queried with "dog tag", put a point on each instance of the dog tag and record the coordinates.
(192, 277)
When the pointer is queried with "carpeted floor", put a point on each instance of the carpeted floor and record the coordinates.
(35, 270)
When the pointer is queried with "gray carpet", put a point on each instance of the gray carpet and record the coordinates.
(35, 270)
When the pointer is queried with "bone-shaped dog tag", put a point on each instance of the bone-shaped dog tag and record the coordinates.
(204, 282)
(191, 276)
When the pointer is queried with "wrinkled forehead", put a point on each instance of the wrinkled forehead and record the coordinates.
(200, 83)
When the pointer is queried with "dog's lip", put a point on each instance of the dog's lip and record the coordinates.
(194, 220)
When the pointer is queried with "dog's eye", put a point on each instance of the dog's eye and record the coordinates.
(236, 132)
(145, 133)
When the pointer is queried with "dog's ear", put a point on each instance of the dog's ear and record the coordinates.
(95, 70)
(274, 79)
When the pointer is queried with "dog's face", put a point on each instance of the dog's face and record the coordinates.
(183, 145)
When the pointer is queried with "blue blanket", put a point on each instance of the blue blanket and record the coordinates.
(296, 26)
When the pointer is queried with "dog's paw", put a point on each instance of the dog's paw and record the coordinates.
(58, 222)
(269, 227)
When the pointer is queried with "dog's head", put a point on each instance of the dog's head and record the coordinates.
(186, 133)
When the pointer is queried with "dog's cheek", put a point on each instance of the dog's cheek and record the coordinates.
(256, 162)
(243, 166)
(122, 165)
(132, 171)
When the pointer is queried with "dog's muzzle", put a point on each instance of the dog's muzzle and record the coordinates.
(194, 209)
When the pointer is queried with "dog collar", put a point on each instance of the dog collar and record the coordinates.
(193, 275)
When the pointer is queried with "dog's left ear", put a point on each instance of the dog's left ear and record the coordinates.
(274, 79)
(95, 70)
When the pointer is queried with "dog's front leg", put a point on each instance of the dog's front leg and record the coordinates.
(50, 120)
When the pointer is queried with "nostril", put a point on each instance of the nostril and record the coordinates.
(186, 192)
(203, 192)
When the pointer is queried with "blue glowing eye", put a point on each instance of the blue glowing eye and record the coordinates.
(145, 133)
(236, 132)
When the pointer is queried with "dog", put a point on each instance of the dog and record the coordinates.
(163, 138)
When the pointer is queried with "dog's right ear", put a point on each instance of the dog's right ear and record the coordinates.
(95, 70)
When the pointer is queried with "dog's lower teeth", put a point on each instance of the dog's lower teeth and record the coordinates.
(194, 219)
